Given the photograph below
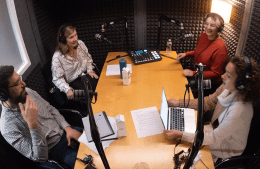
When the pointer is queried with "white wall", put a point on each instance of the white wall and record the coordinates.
(12, 48)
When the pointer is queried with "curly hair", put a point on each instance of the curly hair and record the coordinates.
(251, 93)
(63, 48)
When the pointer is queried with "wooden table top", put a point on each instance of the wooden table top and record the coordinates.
(144, 91)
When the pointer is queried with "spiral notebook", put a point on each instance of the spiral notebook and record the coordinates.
(104, 127)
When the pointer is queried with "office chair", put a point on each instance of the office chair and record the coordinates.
(56, 98)
(250, 158)
(59, 99)
(73, 117)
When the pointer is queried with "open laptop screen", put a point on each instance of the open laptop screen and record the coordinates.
(164, 109)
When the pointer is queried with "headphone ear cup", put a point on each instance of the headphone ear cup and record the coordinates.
(220, 28)
(4, 95)
(240, 84)
(62, 40)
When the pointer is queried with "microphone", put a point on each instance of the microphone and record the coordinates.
(184, 36)
(103, 27)
(206, 83)
(101, 37)
(189, 35)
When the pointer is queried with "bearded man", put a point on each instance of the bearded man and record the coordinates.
(32, 126)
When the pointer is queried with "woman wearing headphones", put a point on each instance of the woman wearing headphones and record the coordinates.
(229, 126)
(210, 51)
(70, 60)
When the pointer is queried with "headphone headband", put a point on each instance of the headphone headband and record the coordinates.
(248, 67)
(241, 81)
(222, 23)
(63, 29)
(62, 38)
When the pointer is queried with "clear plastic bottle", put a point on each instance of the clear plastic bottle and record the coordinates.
(169, 47)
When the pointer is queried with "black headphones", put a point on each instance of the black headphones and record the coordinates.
(222, 23)
(241, 81)
(62, 38)
(4, 94)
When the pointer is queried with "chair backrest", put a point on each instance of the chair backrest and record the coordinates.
(73, 117)
(11, 158)
(253, 145)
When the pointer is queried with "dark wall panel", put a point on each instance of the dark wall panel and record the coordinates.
(88, 17)
(232, 30)
(36, 82)
(252, 48)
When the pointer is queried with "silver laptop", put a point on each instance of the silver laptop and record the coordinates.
(182, 119)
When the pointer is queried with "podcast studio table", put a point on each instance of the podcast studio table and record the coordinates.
(145, 90)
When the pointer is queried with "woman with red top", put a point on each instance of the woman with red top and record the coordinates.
(210, 51)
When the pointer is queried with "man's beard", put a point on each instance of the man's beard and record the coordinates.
(21, 98)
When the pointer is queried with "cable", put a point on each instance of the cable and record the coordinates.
(204, 164)
(91, 58)
(178, 161)
(16, 116)
(121, 34)
(228, 108)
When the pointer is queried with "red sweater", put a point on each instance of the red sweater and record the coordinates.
(213, 54)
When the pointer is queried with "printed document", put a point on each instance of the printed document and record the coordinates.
(147, 122)
(115, 69)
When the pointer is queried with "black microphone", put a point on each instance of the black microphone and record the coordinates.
(206, 83)
(185, 36)
(189, 35)
(101, 37)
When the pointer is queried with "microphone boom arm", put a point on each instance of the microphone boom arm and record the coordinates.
(199, 134)
(117, 20)
(167, 19)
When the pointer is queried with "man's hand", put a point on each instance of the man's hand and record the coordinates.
(93, 75)
(30, 113)
(70, 94)
(72, 134)
(172, 134)
(173, 102)
(188, 72)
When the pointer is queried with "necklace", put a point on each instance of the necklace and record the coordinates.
(73, 54)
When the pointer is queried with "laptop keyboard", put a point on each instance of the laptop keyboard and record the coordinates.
(177, 119)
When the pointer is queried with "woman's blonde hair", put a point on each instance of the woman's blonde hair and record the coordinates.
(63, 32)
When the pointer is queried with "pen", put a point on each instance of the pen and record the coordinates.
(110, 139)
(168, 56)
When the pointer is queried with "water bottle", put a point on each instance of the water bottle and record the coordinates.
(122, 64)
(169, 47)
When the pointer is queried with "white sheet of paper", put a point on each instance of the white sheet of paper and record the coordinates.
(115, 69)
(147, 122)
(105, 144)
(189, 117)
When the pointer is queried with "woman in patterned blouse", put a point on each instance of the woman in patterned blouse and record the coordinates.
(70, 60)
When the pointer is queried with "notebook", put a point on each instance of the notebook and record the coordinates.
(104, 127)
(182, 119)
